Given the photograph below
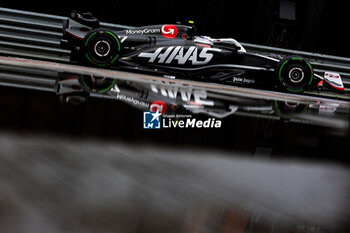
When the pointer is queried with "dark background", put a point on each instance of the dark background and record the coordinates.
(320, 26)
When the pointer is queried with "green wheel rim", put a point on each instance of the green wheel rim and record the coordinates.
(82, 78)
(296, 59)
(113, 60)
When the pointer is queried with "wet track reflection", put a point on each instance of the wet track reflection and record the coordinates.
(197, 97)
(58, 185)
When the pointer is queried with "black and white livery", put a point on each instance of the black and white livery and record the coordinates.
(176, 52)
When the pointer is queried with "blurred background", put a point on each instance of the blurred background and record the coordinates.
(309, 25)
(51, 184)
(92, 168)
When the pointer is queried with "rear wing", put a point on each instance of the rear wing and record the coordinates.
(75, 28)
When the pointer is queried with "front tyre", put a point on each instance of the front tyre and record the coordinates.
(101, 47)
(286, 110)
(295, 74)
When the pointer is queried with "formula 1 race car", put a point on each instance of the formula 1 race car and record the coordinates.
(174, 51)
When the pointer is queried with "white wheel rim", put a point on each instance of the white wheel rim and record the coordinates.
(100, 54)
(293, 75)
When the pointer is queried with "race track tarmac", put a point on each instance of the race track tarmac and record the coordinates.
(52, 184)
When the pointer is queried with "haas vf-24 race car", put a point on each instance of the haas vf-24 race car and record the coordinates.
(175, 51)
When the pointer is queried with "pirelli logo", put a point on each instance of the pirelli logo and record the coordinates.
(181, 55)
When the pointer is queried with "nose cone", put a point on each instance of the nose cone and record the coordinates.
(334, 79)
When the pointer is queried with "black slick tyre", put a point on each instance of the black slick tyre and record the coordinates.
(101, 47)
(295, 74)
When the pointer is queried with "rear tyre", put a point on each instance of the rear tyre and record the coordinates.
(295, 74)
(96, 84)
(101, 47)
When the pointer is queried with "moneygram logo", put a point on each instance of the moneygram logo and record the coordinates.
(169, 31)
(151, 120)
(143, 31)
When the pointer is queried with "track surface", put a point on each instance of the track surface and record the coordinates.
(58, 185)
(216, 88)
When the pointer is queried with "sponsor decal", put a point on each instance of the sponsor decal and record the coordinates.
(158, 106)
(143, 31)
(180, 55)
(152, 120)
(169, 31)
(197, 96)
(115, 92)
(243, 80)
(328, 108)
(331, 75)
(132, 100)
